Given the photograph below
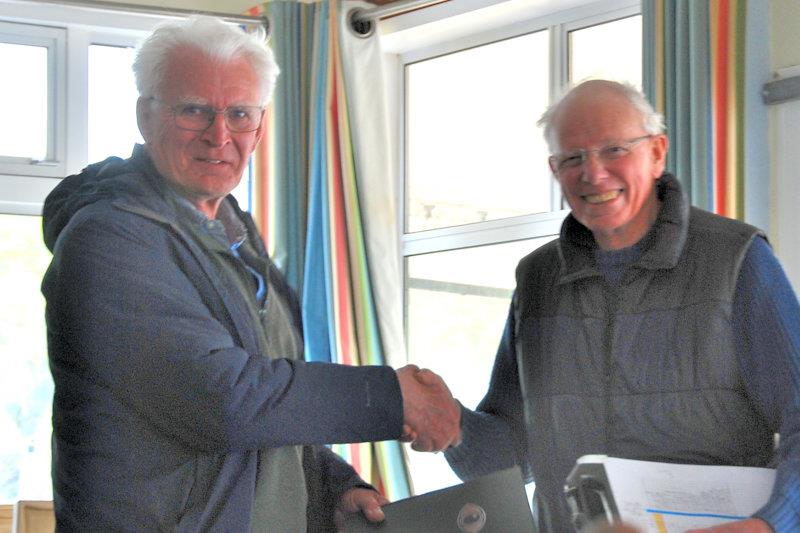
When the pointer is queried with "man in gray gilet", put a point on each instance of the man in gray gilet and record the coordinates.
(648, 330)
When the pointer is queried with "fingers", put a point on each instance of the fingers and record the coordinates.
(432, 417)
(374, 513)
(360, 499)
(428, 377)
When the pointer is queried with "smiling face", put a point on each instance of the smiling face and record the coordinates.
(204, 166)
(614, 198)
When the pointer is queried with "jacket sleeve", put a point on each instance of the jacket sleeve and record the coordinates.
(125, 315)
(493, 436)
(767, 316)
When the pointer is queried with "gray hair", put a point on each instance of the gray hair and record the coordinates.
(213, 38)
(652, 121)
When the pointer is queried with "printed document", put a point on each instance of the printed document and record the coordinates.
(671, 498)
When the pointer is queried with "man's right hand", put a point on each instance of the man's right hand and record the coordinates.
(431, 416)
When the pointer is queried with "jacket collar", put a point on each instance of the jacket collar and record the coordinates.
(662, 245)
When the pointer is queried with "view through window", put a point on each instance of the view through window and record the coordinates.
(112, 102)
(24, 104)
(104, 124)
(26, 389)
(473, 151)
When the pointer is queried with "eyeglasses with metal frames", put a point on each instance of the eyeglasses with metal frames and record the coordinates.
(610, 152)
(200, 117)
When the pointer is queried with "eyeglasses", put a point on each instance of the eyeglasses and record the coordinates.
(200, 117)
(611, 152)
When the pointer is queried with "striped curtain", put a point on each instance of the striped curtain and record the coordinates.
(696, 73)
(310, 175)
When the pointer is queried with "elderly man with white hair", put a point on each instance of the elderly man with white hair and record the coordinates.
(182, 402)
(649, 329)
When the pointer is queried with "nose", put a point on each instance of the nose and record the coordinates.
(217, 134)
(594, 168)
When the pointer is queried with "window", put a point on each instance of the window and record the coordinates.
(31, 99)
(604, 51)
(95, 104)
(112, 102)
(25, 385)
(25, 107)
(478, 193)
(471, 152)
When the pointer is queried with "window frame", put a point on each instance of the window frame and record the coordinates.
(588, 22)
(24, 184)
(54, 39)
(558, 25)
(400, 52)
(433, 31)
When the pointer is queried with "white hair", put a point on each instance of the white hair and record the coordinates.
(652, 121)
(213, 38)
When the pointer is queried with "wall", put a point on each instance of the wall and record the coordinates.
(218, 6)
(784, 132)
(784, 36)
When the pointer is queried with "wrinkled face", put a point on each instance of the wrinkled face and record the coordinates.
(206, 165)
(614, 196)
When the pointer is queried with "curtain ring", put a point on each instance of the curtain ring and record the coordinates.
(360, 27)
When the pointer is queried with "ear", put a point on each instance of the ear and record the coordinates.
(145, 118)
(659, 145)
(552, 163)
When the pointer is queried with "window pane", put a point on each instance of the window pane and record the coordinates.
(26, 389)
(112, 102)
(23, 101)
(612, 50)
(457, 303)
(473, 150)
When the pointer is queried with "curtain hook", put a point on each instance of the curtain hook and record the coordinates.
(360, 27)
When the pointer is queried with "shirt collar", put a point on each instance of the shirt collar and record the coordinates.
(227, 228)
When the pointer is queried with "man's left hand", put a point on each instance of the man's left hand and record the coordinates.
(750, 525)
(358, 499)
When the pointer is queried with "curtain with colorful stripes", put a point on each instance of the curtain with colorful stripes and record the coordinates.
(695, 73)
(309, 203)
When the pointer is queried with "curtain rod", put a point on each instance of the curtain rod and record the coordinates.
(393, 8)
(783, 90)
(155, 10)
(362, 21)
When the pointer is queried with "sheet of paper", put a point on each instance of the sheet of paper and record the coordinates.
(670, 498)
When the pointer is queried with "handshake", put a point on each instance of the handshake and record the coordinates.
(431, 416)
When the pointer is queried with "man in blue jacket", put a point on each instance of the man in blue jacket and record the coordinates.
(648, 330)
(181, 399)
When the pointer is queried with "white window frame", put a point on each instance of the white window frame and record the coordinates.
(587, 22)
(54, 40)
(24, 184)
(400, 34)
